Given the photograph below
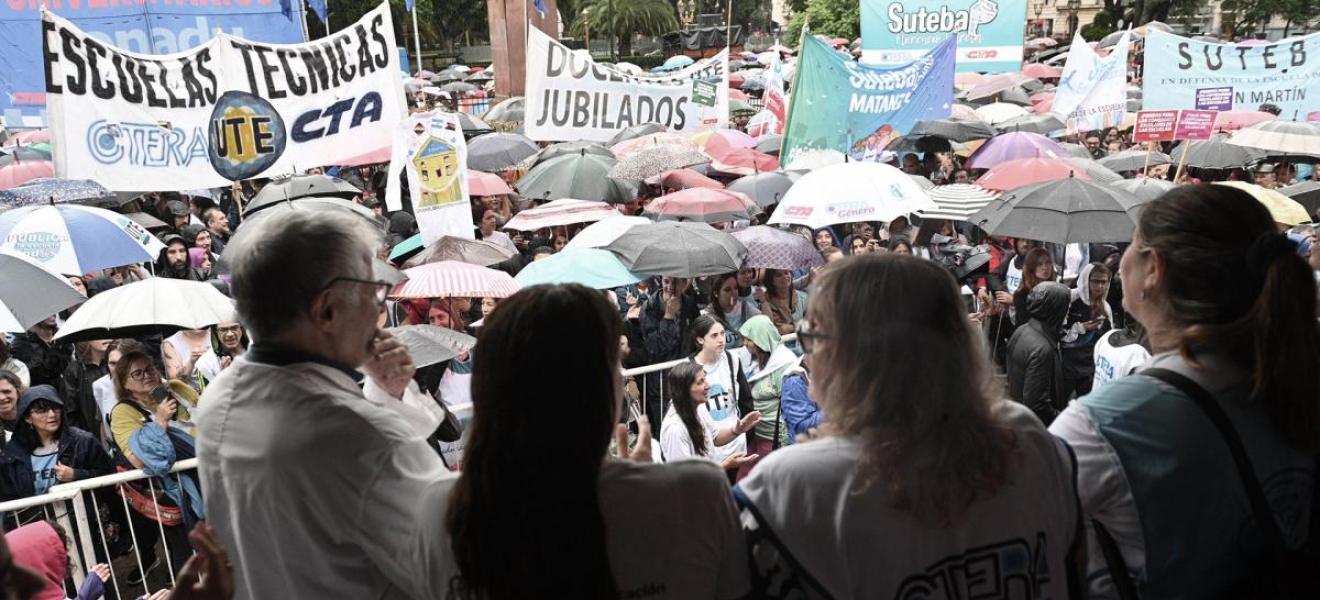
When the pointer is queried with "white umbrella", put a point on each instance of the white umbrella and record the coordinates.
(1000, 112)
(153, 306)
(565, 211)
(815, 159)
(70, 238)
(33, 293)
(603, 233)
(957, 201)
(849, 193)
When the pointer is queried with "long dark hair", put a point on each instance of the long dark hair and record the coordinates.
(25, 434)
(702, 326)
(552, 441)
(1033, 260)
(681, 378)
(1265, 319)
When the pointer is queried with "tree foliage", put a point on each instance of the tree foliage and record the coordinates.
(1101, 26)
(1246, 18)
(624, 18)
(832, 18)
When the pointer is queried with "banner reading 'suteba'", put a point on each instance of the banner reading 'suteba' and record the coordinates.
(230, 109)
(1183, 73)
(570, 97)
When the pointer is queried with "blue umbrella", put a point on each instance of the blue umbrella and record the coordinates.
(678, 61)
(592, 267)
(51, 190)
(68, 238)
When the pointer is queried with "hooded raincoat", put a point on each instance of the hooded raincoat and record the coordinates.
(767, 381)
(1035, 368)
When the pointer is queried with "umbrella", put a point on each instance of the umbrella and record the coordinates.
(652, 161)
(1012, 146)
(592, 267)
(301, 186)
(1306, 193)
(446, 77)
(743, 161)
(1145, 188)
(636, 131)
(70, 238)
(447, 278)
(1133, 160)
(604, 232)
(848, 193)
(702, 204)
(627, 148)
(1076, 150)
(473, 252)
(1041, 123)
(57, 191)
(1000, 112)
(458, 87)
(155, 306)
(498, 151)
(770, 144)
(963, 111)
(313, 203)
(922, 181)
(765, 189)
(719, 142)
(566, 211)
(967, 80)
(1233, 120)
(486, 184)
(429, 344)
(773, 248)
(424, 74)
(23, 172)
(678, 61)
(958, 130)
(1026, 171)
(957, 201)
(583, 176)
(563, 149)
(682, 179)
(17, 154)
(1014, 95)
(41, 294)
(1043, 41)
(678, 249)
(1283, 209)
(510, 110)
(479, 77)
(1215, 153)
(1096, 171)
(997, 83)
(30, 137)
(1287, 137)
(147, 221)
(1062, 211)
(1112, 39)
(815, 159)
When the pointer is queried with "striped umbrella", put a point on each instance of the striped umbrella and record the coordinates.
(70, 238)
(448, 279)
(773, 248)
(566, 211)
(958, 201)
(1289, 137)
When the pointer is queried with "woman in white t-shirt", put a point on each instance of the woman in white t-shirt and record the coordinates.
(688, 431)
(729, 396)
(538, 510)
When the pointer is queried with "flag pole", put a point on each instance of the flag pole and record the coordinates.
(417, 37)
(797, 68)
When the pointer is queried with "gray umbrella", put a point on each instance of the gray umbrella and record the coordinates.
(474, 252)
(472, 126)
(654, 160)
(1015, 95)
(446, 76)
(582, 176)
(678, 249)
(498, 151)
(1134, 160)
(511, 110)
(480, 77)
(1062, 211)
(1145, 188)
(33, 294)
(958, 130)
(1042, 123)
(770, 144)
(458, 87)
(1076, 150)
(565, 149)
(765, 188)
(1133, 104)
(301, 186)
(429, 344)
(635, 131)
(1306, 193)
(1215, 153)
(1098, 172)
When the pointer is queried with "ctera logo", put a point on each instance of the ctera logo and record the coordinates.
(247, 135)
(943, 20)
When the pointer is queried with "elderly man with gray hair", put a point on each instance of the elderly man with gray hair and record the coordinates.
(309, 479)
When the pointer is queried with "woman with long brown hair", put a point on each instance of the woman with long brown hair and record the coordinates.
(916, 467)
(1036, 269)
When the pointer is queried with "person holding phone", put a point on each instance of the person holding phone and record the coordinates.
(1089, 318)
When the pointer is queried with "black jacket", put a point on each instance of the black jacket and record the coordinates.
(1035, 367)
(45, 362)
(81, 408)
(77, 449)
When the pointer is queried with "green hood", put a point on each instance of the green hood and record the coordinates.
(762, 332)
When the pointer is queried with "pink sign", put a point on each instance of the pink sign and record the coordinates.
(1155, 126)
(1196, 124)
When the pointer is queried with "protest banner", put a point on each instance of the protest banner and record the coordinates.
(141, 27)
(858, 109)
(774, 101)
(430, 149)
(989, 32)
(571, 97)
(230, 109)
(1196, 124)
(1093, 91)
(1182, 73)
(1155, 126)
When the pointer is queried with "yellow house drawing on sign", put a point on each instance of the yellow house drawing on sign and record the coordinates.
(437, 172)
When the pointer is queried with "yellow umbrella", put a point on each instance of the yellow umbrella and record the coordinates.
(1285, 210)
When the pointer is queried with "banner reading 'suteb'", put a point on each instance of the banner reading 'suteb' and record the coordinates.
(1183, 73)
(570, 97)
(230, 109)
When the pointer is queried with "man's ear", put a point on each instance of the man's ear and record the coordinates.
(323, 309)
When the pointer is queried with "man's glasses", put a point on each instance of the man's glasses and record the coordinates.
(144, 374)
(807, 337)
(382, 287)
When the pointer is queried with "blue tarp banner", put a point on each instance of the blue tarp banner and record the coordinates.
(1183, 73)
(989, 32)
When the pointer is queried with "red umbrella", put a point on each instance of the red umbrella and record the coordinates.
(735, 94)
(1233, 120)
(1040, 71)
(682, 179)
(736, 80)
(29, 137)
(724, 141)
(702, 204)
(1026, 171)
(481, 183)
(23, 172)
(742, 161)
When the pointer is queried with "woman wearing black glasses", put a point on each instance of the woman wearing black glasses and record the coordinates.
(48, 450)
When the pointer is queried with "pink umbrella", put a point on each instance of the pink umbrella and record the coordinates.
(1044, 41)
(1040, 71)
(22, 172)
(481, 183)
(738, 95)
(1233, 120)
(742, 161)
(701, 204)
(1026, 171)
(1014, 145)
(29, 137)
(962, 111)
(621, 150)
(997, 83)
(736, 80)
(682, 179)
(565, 211)
(448, 279)
(967, 79)
(724, 141)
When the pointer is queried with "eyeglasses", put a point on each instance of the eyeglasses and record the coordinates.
(41, 410)
(144, 374)
(235, 329)
(382, 287)
(806, 337)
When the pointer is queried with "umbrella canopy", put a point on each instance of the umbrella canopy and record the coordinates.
(702, 204)
(456, 249)
(1015, 95)
(498, 151)
(486, 184)
(564, 149)
(1044, 41)
(1133, 160)
(1096, 171)
(1145, 188)
(967, 80)
(19, 173)
(472, 126)
(958, 130)
(723, 139)
(1306, 193)
(566, 211)
(649, 141)
(158, 305)
(848, 193)
(447, 279)
(963, 111)
(678, 249)
(773, 248)
(147, 221)
(997, 83)
(957, 201)
(1285, 137)
(1026, 171)
(1040, 123)
(1013, 146)
(770, 144)
(678, 61)
(1062, 211)
(430, 344)
(634, 132)
(592, 267)
(651, 161)
(301, 186)
(17, 154)
(1283, 209)
(743, 161)
(445, 76)
(1113, 38)
(603, 233)
(458, 87)
(1215, 153)
(69, 238)
(922, 181)
(583, 176)
(682, 179)
(1233, 120)
(510, 110)
(765, 189)
(41, 294)
(479, 77)
(29, 137)
(57, 191)
(1076, 150)
(815, 159)
(1000, 112)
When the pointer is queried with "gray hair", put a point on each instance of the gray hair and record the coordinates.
(280, 263)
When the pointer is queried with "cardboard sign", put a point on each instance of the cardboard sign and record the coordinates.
(1196, 124)
(1155, 126)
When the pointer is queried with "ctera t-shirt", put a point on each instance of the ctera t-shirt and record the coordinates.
(721, 408)
(43, 467)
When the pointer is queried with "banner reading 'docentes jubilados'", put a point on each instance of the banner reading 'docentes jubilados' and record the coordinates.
(1182, 73)
(570, 97)
(989, 32)
(229, 109)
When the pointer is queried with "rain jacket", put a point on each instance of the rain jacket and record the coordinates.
(1078, 348)
(38, 546)
(1035, 368)
(767, 381)
(801, 413)
(401, 227)
(77, 449)
(45, 362)
(158, 450)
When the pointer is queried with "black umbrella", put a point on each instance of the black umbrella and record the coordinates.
(636, 131)
(301, 186)
(1042, 123)
(1076, 150)
(678, 249)
(498, 151)
(15, 154)
(1015, 95)
(923, 144)
(770, 144)
(473, 126)
(446, 76)
(958, 130)
(1134, 160)
(565, 149)
(1215, 153)
(1306, 193)
(480, 77)
(510, 110)
(765, 188)
(1145, 188)
(458, 87)
(581, 176)
(1062, 211)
